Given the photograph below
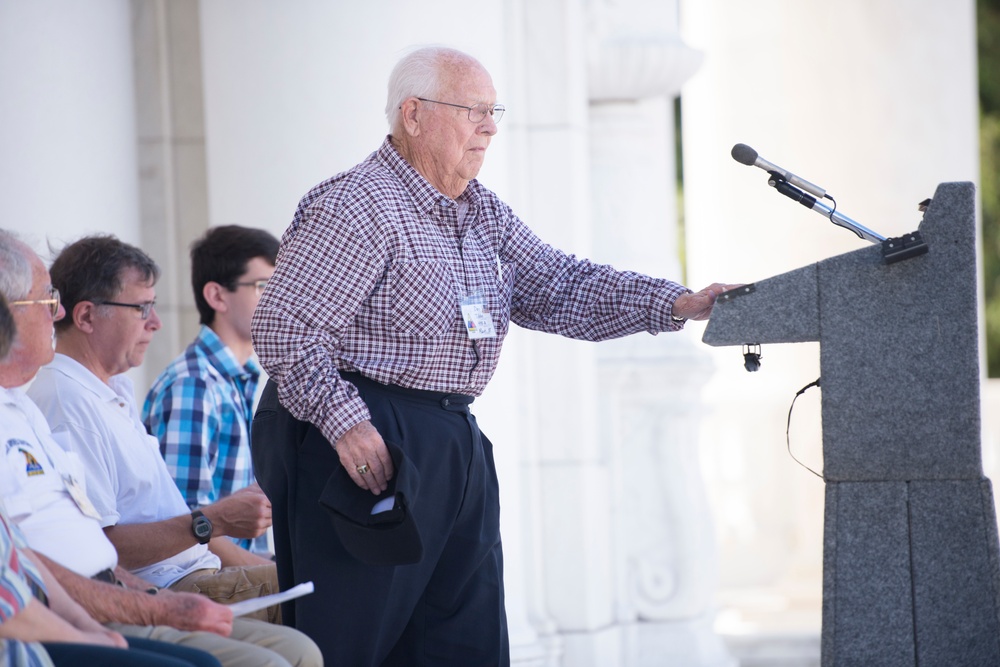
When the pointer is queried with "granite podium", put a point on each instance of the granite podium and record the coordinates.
(911, 564)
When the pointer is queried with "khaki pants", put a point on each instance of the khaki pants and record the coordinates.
(232, 584)
(252, 643)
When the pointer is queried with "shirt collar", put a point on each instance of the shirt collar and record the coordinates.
(221, 357)
(13, 395)
(74, 370)
(425, 195)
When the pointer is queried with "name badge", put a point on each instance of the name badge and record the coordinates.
(79, 496)
(478, 322)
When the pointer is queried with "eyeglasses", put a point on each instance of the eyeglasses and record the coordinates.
(477, 112)
(145, 309)
(52, 302)
(258, 285)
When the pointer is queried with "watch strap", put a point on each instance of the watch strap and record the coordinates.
(199, 520)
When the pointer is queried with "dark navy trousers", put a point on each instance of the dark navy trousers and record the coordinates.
(447, 609)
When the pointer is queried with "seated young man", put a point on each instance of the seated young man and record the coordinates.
(43, 490)
(108, 291)
(201, 405)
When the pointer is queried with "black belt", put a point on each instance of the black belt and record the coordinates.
(448, 401)
(107, 576)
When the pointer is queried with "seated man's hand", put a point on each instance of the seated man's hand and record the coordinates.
(104, 638)
(246, 513)
(192, 612)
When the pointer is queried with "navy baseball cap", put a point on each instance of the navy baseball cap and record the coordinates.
(389, 537)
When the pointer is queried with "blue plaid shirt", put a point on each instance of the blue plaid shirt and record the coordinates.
(200, 409)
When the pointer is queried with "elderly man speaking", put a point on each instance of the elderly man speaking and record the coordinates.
(394, 288)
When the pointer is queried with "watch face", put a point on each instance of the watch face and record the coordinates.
(202, 528)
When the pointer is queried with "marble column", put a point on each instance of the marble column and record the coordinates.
(664, 554)
(173, 182)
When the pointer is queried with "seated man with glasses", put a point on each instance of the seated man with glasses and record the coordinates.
(107, 289)
(201, 405)
(52, 303)
(44, 493)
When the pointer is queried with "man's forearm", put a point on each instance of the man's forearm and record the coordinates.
(107, 603)
(233, 555)
(142, 544)
(60, 600)
(37, 623)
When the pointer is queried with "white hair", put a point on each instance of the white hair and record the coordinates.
(418, 74)
(15, 267)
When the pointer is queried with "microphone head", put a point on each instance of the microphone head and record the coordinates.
(744, 154)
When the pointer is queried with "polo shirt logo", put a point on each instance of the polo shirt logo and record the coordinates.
(31, 465)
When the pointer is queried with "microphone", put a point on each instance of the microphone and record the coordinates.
(748, 156)
(788, 184)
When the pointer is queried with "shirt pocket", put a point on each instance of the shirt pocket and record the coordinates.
(15, 499)
(424, 303)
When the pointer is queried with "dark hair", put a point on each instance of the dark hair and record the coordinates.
(7, 328)
(93, 268)
(222, 255)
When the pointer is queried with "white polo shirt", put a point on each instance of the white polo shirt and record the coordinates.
(127, 480)
(35, 479)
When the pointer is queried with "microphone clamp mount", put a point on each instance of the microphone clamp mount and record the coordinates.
(777, 181)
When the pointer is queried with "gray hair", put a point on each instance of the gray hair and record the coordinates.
(8, 328)
(15, 267)
(417, 74)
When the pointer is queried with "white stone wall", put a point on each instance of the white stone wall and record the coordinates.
(67, 120)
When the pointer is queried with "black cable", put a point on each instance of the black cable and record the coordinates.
(788, 427)
(832, 211)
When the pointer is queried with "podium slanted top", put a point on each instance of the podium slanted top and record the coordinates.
(899, 358)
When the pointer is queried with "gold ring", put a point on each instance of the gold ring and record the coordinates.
(363, 469)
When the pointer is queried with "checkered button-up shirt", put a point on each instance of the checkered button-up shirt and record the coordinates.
(200, 409)
(370, 276)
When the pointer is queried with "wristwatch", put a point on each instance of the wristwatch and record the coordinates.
(201, 527)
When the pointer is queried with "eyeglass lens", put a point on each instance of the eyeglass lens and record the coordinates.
(145, 309)
(258, 285)
(54, 306)
(477, 112)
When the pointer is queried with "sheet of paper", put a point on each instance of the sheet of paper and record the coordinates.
(253, 604)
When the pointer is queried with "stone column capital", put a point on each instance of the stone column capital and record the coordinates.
(630, 57)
